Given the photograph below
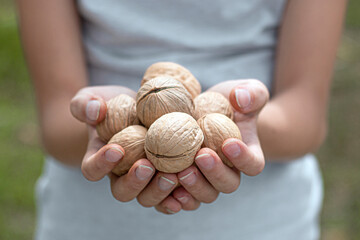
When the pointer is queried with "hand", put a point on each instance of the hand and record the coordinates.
(141, 182)
(203, 182)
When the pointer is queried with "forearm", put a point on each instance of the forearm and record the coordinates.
(51, 41)
(294, 122)
(63, 136)
(291, 126)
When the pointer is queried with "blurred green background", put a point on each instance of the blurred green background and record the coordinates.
(21, 155)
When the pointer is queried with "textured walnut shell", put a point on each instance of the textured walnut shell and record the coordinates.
(121, 113)
(212, 102)
(217, 128)
(172, 142)
(176, 71)
(132, 139)
(159, 96)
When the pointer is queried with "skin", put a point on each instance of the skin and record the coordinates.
(290, 124)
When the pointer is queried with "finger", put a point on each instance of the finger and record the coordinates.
(94, 142)
(97, 165)
(89, 104)
(249, 96)
(196, 184)
(249, 158)
(158, 189)
(99, 159)
(128, 186)
(220, 176)
(187, 201)
(169, 206)
(87, 107)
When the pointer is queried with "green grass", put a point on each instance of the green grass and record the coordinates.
(352, 18)
(21, 156)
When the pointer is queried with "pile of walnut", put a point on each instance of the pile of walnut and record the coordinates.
(169, 121)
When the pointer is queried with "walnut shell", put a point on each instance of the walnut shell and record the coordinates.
(176, 71)
(162, 95)
(132, 139)
(212, 102)
(121, 113)
(217, 128)
(172, 142)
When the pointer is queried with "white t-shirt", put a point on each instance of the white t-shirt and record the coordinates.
(216, 40)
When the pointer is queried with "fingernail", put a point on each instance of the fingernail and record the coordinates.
(205, 161)
(188, 179)
(113, 154)
(93, 110)
(165, 184)
(170, 211)
(243, 98)
(232, 149)
(143, 172)
(183, 199)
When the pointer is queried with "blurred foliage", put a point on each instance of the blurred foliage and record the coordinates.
(352, 17)
(339, 156)
(21, 155)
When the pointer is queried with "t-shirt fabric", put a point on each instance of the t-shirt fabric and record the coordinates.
(216, 40)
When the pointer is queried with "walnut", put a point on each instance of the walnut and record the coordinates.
(175, 71)
(212, 102)
(121, 113)
(159, 96)
(172, 142)
(132, 139)
(217, 128)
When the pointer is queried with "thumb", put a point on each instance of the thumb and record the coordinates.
(249, 96)
(87, 107)
(89, 104)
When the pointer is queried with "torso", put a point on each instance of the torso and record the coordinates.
(216, 40)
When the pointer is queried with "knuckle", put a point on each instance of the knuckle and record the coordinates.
(135, 186)
(210, 199)
(89, 175)
(245, 162)
(101, 166)
(120, 197)
(196, 190)
(220, 177)
(144, 203)
(231, 187)
(194, 207)
(127, 191)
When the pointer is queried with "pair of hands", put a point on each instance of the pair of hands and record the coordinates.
(200, 183)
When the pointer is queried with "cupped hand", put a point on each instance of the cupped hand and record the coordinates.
(204, 182)
(142, 181)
